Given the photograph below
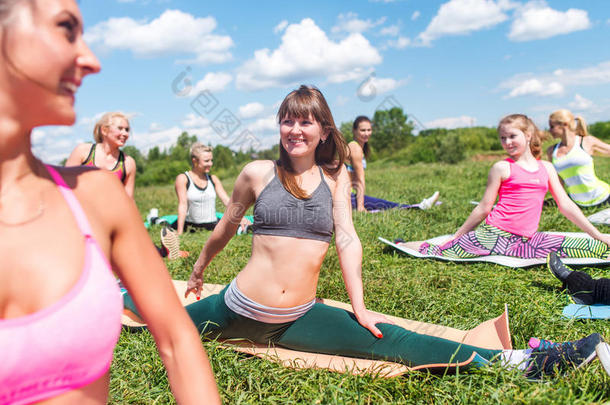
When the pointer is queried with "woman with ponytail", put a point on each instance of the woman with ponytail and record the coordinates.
(511, 227)
(572, 158)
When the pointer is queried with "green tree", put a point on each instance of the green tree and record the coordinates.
(137, 156)
(223, 157)
(391, 131)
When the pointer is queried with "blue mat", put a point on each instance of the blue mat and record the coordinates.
(173, 218)
(578, 311)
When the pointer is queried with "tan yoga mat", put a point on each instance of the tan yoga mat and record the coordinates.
(491, 334)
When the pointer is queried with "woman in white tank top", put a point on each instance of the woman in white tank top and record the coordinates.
(197, 190)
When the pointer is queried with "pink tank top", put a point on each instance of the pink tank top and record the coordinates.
(70, 343)
(520, 200)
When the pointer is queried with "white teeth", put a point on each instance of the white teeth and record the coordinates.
(71, 87)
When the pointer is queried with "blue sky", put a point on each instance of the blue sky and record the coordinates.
(219, 69)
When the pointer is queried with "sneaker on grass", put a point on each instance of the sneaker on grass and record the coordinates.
(550, 358)
(429, 202)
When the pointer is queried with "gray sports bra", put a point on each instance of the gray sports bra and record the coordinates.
(279, 213)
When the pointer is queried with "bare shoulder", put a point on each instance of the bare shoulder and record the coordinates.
(214, 178)
(548, 166)
(257, 169)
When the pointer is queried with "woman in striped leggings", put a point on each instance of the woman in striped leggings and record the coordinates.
(511, 228)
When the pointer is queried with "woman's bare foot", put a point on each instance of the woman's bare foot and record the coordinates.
(414, 245)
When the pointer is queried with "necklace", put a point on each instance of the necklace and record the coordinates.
(32, 218)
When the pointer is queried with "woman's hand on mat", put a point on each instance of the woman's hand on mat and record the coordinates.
(605, 238)
(370, 319)
(194, 284)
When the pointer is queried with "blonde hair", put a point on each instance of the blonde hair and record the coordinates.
(576, 124)
(197, 149)
(527, 126)
(105, 121)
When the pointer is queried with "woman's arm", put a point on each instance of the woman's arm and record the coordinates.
(594, 145)
(358, 183)
(549, 153)
(241, 199)
(130, 175)
(180, 187)
(149, 284)
(220, 190)
(569, 209)
(349, 250)
(500, 170)
(78, 155)
(224, 197)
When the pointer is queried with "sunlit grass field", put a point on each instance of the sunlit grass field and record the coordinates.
(456, 295)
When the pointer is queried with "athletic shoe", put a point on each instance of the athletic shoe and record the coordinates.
(171, 242)
(560, 356)
(429, 202)
(541, 344)
(603, 353)
(556, 266)
(153, 214)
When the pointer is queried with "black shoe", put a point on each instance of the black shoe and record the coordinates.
(560, 356)
(399, 240)
(559, 270)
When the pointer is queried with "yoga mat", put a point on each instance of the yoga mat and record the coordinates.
(491, 334)
(600, 218)
(578, 311)
(173, 218)
(508, 261)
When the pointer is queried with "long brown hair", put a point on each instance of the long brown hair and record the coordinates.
(308, 101)
(357, 121)
(527, 126)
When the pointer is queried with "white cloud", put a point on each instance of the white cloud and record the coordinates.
(342, 100)
(251, 110)
(194, 120)
(452, 122)
(306, 53)
(538, 21)
(398, 43)
(392, 30)
(280, 27)
(376, 85)
(580, 103)
(415, 15)
(538, 88)
(351, 23)
(213, 82)
(266, 124)
(459, 17)
(556, 82)
(173, 32)
(90, 121)
(155, 126)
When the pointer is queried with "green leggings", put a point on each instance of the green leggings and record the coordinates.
(330, 330)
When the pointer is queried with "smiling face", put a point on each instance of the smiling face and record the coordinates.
(203, 162)
(300, 136)
(363, 132)
(117, 132)
(514, 141)
(44, 58)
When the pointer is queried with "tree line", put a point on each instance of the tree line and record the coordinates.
(393, 140)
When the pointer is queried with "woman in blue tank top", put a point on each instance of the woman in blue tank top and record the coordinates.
(299, 202)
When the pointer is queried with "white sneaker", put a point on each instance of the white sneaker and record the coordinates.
(429, 202)
(603, 353)
(152, 214)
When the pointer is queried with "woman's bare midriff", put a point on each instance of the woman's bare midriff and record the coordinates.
(282, 271)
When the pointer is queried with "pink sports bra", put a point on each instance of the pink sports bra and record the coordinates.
(68, 344)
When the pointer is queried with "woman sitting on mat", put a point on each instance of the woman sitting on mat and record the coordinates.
(110, 133)
(572, 158)
(358, 152)
(510, 229)
(60, 304)
(299, 201)
(197, 190)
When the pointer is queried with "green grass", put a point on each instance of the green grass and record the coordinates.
(456, 295)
